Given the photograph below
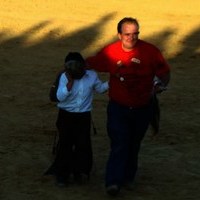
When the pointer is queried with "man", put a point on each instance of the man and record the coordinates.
(132, 64)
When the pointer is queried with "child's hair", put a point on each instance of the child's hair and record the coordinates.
(75, 69)
(74, 56)
(75, 65)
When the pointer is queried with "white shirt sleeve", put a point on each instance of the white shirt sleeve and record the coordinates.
(62, 92)
(99, 86)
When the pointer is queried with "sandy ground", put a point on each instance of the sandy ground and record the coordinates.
(36, 35)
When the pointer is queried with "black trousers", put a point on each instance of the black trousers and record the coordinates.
(126, 128)
(74, 151)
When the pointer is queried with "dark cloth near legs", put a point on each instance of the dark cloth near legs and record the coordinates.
(74, 151)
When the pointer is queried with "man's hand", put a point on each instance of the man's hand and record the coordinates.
(160, 83)
(158, 88)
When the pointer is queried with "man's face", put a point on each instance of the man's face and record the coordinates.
(129, 36)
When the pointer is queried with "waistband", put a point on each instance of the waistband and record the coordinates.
(74, 113)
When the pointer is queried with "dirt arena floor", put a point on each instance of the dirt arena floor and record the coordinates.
(36, 35)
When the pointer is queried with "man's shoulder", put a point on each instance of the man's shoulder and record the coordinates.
(113, 46)
(147, 45)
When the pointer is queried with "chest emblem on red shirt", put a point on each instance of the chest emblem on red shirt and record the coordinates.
(135, 60)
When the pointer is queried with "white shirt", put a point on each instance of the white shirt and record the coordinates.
(79, 98)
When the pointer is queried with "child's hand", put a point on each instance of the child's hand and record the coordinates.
(70, 81)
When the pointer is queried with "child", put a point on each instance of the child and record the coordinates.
(75, 94)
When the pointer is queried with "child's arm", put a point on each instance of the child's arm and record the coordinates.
(64, 88)
(99, 86)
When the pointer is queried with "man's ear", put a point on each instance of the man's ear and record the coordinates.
(119, 36)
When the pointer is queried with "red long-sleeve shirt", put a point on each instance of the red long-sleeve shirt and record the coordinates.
(131, 73)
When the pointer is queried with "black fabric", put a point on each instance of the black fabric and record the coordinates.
(155, 120)
(74, 153)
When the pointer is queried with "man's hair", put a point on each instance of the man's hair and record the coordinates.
(126, 20)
